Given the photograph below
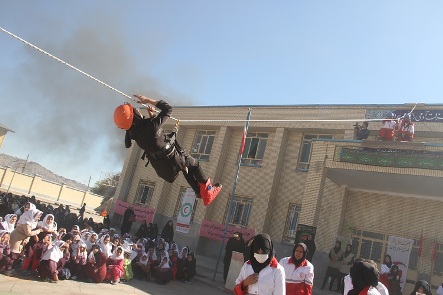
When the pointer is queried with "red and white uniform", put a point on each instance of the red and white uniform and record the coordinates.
(299, 280)
(406, 131)
(387, 131)
(271, 280)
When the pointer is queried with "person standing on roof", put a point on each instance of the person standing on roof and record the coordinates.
(406, 130)
(162, 150)
(387, 131)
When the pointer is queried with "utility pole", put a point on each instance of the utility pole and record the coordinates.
(12, 178)
(24, 165)
(87, 191)
(13, 175)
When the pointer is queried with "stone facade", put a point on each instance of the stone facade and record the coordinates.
(329, 194)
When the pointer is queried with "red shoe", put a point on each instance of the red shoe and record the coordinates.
(209, 192)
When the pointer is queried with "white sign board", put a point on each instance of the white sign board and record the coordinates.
(400, 250)
(185, 212)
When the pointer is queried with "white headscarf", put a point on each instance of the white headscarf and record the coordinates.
(105, 248)
(54, 253)
(92, 256)
(127, 248)
(89, 243)
(144, 262)
(75, 228)
(45, 226)
(74, 245)
(8, 227)
(83, 236)
(172, 246)
(1, 236)
(115, 255)
(31, 206)
(186, 250)
(29, 217)
(141, 247)
(84, 253)
(166, 265)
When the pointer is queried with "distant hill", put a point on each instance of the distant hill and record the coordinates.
(33, 168)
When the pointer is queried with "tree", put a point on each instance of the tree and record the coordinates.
(106, 187)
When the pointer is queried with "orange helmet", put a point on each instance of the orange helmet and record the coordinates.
(123, 116)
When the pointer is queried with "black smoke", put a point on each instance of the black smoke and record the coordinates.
(63, 117)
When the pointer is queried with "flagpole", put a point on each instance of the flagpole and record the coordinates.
(420, 249)
(245, 131)
(433, 256)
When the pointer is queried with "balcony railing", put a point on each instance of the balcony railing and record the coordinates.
(390, 157)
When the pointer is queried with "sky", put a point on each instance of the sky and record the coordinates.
(210, 53)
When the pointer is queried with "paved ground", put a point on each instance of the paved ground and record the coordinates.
(29, 285)
(200, 285)
(203, 284)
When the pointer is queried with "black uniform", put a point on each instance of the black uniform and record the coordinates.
(161, 149)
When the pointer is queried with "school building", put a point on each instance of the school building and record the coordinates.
(311, 173)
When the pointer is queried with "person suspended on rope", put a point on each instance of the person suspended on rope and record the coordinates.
(161, 149)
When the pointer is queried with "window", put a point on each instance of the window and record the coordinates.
(203, 141)
(179, 203)
(240, 212)
(255, 146)
(372, 245)
(144, 192)
(305, 151)
(291, 223)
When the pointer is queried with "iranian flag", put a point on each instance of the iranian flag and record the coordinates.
(243, 140)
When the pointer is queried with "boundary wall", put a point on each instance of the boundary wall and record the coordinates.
(23, 184)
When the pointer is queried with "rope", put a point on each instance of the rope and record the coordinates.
(74, 68)
(288, 120)
(201, 121)
(413, 109)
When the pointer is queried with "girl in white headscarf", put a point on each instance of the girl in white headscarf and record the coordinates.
(25, 208)
(91, 241)
(73, 247)
(115, 266)
(95, 268)
(105, 245)
(85, 236)
(163, 273)
(181, 261)
(26, 227)
(8, 224)
(142, 268)
(75, 230)
(5, 249)
(78, 261)
(48, 224)
(48, 267)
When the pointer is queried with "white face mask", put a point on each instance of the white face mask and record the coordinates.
(261, 258)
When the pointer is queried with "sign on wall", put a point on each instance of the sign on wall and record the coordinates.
(185, 212)
(400, 249)
(141, 213)
(214, 231)
(416, 115)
